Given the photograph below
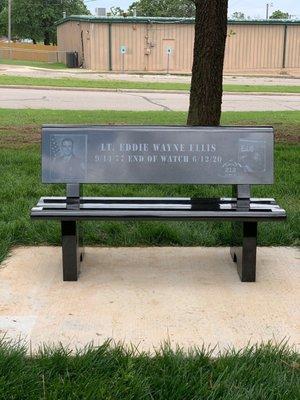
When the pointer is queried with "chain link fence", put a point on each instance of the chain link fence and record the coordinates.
(40, 54)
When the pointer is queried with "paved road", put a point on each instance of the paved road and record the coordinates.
(135, 101)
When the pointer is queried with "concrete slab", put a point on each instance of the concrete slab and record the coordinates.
(144, 296)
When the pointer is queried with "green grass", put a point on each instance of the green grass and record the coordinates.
(262, 88)
(20, 117)
(114, 372)
(118, 84)
(38, 64)
(21, 186)
(27, 122)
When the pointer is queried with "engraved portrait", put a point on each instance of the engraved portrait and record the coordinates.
(68, 156)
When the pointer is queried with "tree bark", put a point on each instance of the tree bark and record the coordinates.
(46, 38)
(207, 73)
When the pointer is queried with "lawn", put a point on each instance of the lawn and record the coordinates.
(21, 185)
(26, 123)
(113, 372)
(122, 84)
(38, 64)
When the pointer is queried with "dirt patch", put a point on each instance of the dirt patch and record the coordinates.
(284, 132)
(20, 136)
(287, 134)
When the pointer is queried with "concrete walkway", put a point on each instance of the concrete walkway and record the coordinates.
(251, 79)
(135, 101)
(144, 296)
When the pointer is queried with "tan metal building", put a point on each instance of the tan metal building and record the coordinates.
(140, 44)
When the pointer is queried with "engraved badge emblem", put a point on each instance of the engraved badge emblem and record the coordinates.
(231, 168)
(252, 155)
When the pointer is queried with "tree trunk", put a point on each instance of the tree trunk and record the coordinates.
(207, 74)
(47, 38)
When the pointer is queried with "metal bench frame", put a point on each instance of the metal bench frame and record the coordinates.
(244, 213)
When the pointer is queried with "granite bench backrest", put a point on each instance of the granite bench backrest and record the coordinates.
(157, 154)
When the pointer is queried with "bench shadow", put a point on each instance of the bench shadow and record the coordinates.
(158, 266)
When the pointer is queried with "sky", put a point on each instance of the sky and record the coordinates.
(252, 8)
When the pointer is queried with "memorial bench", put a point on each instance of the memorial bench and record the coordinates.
(237, 156)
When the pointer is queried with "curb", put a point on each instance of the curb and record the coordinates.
(82, 89)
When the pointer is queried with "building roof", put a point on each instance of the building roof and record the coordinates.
(168, 20)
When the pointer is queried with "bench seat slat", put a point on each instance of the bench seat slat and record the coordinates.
(153, 200)
(63, 198)
(82, 214)
(194, 204)
(128, 206)
(184, 208)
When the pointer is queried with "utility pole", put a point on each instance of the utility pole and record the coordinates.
(268, 6)
(64, 13)
(9, 21)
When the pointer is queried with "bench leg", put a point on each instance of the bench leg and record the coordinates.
(80, 241)
(243, 250)
(71, 255)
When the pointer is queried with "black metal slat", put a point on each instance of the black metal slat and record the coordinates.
(201, 209)
(209, 204)
(139, 201)
(193, 201)
(144, 214)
